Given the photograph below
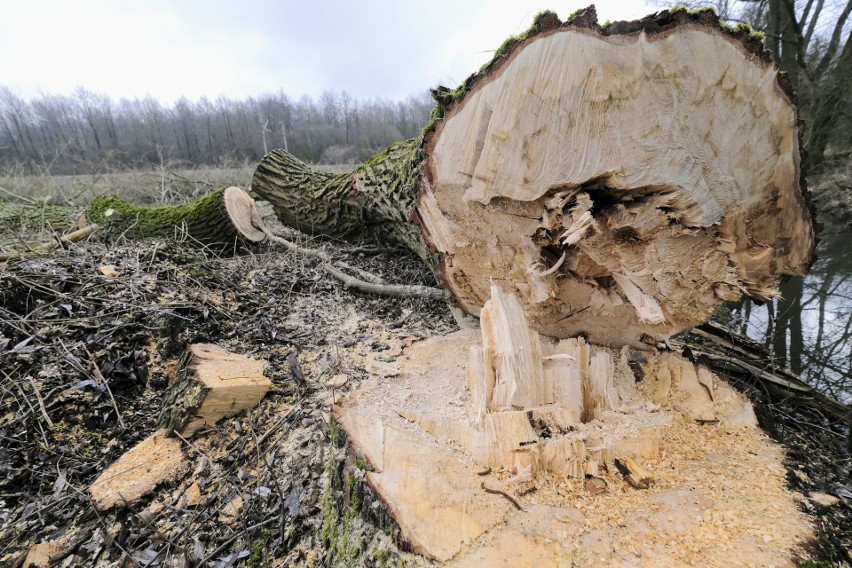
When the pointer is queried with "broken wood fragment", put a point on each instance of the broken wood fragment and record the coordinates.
(211, 383)
(595, 485)
(637, 476)
(157, 459)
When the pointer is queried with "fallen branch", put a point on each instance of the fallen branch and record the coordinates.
(374, 287)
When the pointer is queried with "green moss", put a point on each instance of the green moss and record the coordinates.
(342, 541)
(363, 464)
(702, 10)
(337, 437)
(535, 28)
(573, 15)
(606, 24)
(203, 220)
(677, 8)
(741, 27)
(382, 557)
(444, 97)
(257, 558)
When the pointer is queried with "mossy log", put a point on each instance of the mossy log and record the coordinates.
(222, 218)
(623, 181)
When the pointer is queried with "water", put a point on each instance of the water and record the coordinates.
(809, 329)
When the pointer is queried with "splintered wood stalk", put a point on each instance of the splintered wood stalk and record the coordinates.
(622, 182)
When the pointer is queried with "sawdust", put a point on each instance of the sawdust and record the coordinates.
(719, 494)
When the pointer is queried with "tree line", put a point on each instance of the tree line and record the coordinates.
(77, 133)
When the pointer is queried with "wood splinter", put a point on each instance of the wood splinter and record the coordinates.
(637, 476)
(504, 494)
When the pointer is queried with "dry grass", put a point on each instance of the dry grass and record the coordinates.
(144, 187)
(156, 186)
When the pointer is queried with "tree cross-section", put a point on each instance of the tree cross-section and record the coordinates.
(622, 181)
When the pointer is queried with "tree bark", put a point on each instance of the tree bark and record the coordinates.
(220, 219)
(619, 180)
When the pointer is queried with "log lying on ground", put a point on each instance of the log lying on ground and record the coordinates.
(18, 222)
(222, 218)
(622, 181)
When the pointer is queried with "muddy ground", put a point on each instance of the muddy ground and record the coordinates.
(86, 355)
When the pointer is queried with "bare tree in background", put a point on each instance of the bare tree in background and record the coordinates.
(88, 131)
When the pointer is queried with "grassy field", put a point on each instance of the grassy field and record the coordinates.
(157, 186)
(144, 187)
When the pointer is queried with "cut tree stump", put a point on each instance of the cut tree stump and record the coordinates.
(211, 383)
(590, 193)
(220, 219)
(621, 181)
(502, 444)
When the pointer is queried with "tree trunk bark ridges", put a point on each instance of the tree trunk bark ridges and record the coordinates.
(374, 201)
(206, 220)
(619, 180)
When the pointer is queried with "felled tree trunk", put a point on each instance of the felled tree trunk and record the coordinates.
(622, 181)
(219, 219)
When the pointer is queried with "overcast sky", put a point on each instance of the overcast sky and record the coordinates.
(174, 48)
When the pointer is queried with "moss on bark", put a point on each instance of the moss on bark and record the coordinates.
(204, 220)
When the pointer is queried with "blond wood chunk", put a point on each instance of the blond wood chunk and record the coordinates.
(601, 388)
(637, 476)
(437, 501)
(211, 383)
(157, 459)
(695, 391)
(47, 553)
(480, 382)
(564, 455)
(539, 538)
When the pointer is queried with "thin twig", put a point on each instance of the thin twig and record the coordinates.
(100, 377)
(40, 402)
(395, 290)
(504, 494)
(236, 535)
